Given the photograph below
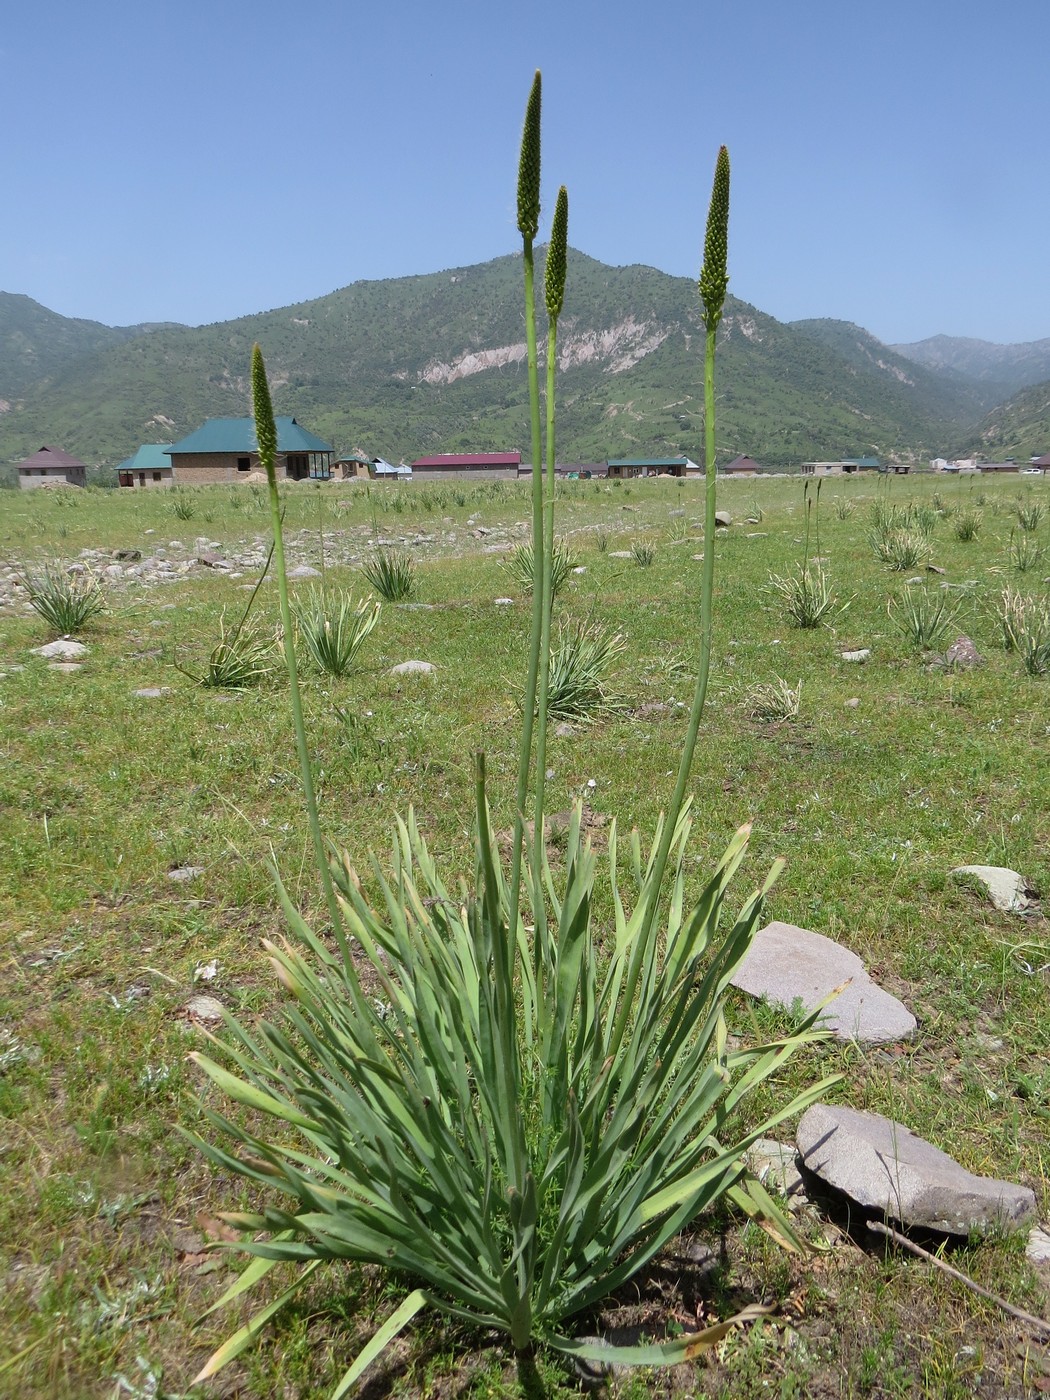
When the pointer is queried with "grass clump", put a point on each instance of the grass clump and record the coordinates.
(579, 664)
(391, 572)
(921, 617)
(66, 602)
(182, 507)
(1025, 553)
(1025, 623)
(522, 567)
(241, 658)
(534, 1103)
(774, 700)
(333, 628)
(902, 547)
(806, 593)
(643, 552)
(966, 524)
(1030, 513)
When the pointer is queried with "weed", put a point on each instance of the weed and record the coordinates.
(66, 602)
(522, 566)
(1025, 553)
(806, 593)
(966, 525)
(901, 547)
(240, 659)
(391, 573)
(775, 700)
(1030, 513)
(579, 663)
(643, 552)
(1025, 624)
(333, 628)
(921, 616)
(844, 508)
(182, 507)
(601, 542)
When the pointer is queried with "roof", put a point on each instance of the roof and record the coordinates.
(238, 435)
(1040, 461)
(742, 464)
(151, 456)
(51, 457)
(470, 459)
(650, 462)
(355, 457)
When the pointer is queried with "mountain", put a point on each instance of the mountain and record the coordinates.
(1019, 428)
(1004, 368)
(415, 365)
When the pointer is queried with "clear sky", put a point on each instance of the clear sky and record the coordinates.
(195, 160)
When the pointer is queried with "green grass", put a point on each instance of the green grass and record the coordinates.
(103, 793)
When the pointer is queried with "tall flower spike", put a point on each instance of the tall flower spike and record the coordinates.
(557, 248)
(265, 427)
(714, 278)
(529, 165)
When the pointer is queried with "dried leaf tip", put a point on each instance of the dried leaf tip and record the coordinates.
(557, 255)
(262, 406)
(529, 165)
(714, 277)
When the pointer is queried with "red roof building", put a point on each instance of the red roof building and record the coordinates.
(484, 466)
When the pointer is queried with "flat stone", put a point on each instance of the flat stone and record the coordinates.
(564, 730)
(204, 1009)
(789, 965)
(413, 668)
(67, 667)
(620, 554)
(183, 873)
(935, 569)
(776, 1166)
(963, 654)
(1038, 1247)
(853, 702)
(884, 1166)
(128, 556)
(861, 654)
(65, 649)
(504, 602)
(1007, 890)
(152, 692)
(211, 560)
(303, 571)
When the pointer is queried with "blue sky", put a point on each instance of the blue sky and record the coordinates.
(195, 160)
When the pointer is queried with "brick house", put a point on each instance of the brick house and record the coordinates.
(49, 465)
(224, 450)
(478, 466)
(150, 466)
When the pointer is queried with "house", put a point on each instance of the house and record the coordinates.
(997, 466)
(50, 466)
(741, 466)
(478, 466)
(622, 467)
(382, 470)
(845, 467)
(225, 450)
(150, 466)
(356, 467)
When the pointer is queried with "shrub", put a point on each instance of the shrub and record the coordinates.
(522, 567)
(921, 616)
(1030, 513)
(844, 507)
(900, 547)
(643, 552)
(240, 659)
(1025, 554)
(601, 542)
(66, 602)
(1025, 623)
(806, 593)
(333, 628)
(182, 507)
(391, 573)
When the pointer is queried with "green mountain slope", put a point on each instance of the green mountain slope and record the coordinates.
(416, 365)
(1019, 428)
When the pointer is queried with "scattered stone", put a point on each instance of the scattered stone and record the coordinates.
(853, 702)
(758, 534)
(861, 654)
(564, 730)
(935, 569)
(504, 602)
(211, 560)
(912, 581)
(1007, 890)
(1038, 1247)
(68, 667)
(963, 654)
(776, 1166)
(204, 1009)
(183, 873)
(723, 519)
(303, 571)
(152, 692)
(128, 556)
(413, 668)
(884, 1166)
(416, 607)
(789, 965)
(65, 649)
(580, 569)
(620, 554)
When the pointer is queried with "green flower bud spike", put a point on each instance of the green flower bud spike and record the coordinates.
(265, 426)
(529, 166)
(714, 278)
(557, 250)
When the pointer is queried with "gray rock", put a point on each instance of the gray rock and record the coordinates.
(65, 649)
(504, 602)
(413, 668)
(183, 873)
(963, 654)
(1007, 890)
(789, 965)
(776, 1166)
(68, 667)
(861, 654)
(303, 571)
(211, 560)
(564, 730)
(127, 556)
(1038, 1247)
(620, 554)
(723, 519)
(882, 1165)
(152, 692)
(853, 702)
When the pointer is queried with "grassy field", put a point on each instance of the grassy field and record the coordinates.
(893, 772)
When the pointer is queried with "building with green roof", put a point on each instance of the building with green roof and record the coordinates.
(225, 450)
(150, 466)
